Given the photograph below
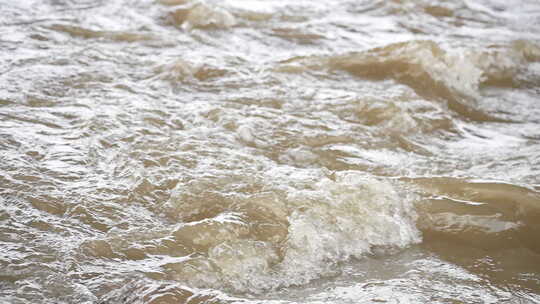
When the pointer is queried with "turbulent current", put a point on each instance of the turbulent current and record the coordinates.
(269, 151)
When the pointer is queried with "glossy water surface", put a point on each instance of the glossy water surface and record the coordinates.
(250, 151)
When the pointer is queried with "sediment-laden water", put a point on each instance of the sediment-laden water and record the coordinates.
(243, 151)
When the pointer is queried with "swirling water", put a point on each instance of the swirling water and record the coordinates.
(250, 151)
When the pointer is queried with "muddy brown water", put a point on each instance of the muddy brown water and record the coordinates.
(246, 151)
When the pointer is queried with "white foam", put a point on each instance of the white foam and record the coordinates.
(342, 219)
(319, 221)
(245, 134)
(204, 16)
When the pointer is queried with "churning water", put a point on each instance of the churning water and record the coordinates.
(269, 151)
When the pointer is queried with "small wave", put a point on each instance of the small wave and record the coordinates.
(455, 76)
(122, 36)
(270, 240)
(529, 50)
(201, 15)
(486, 214)
(184, 71)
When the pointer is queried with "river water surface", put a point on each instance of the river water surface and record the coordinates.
(250, 151)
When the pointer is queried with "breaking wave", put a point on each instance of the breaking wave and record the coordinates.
(261, 241)
(455, 76)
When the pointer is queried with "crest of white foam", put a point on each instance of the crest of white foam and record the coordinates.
(346, 217)
(300, 228)
(425, 63)
(461, 69)
(203, 15)
(338, 219)
(454, 69)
